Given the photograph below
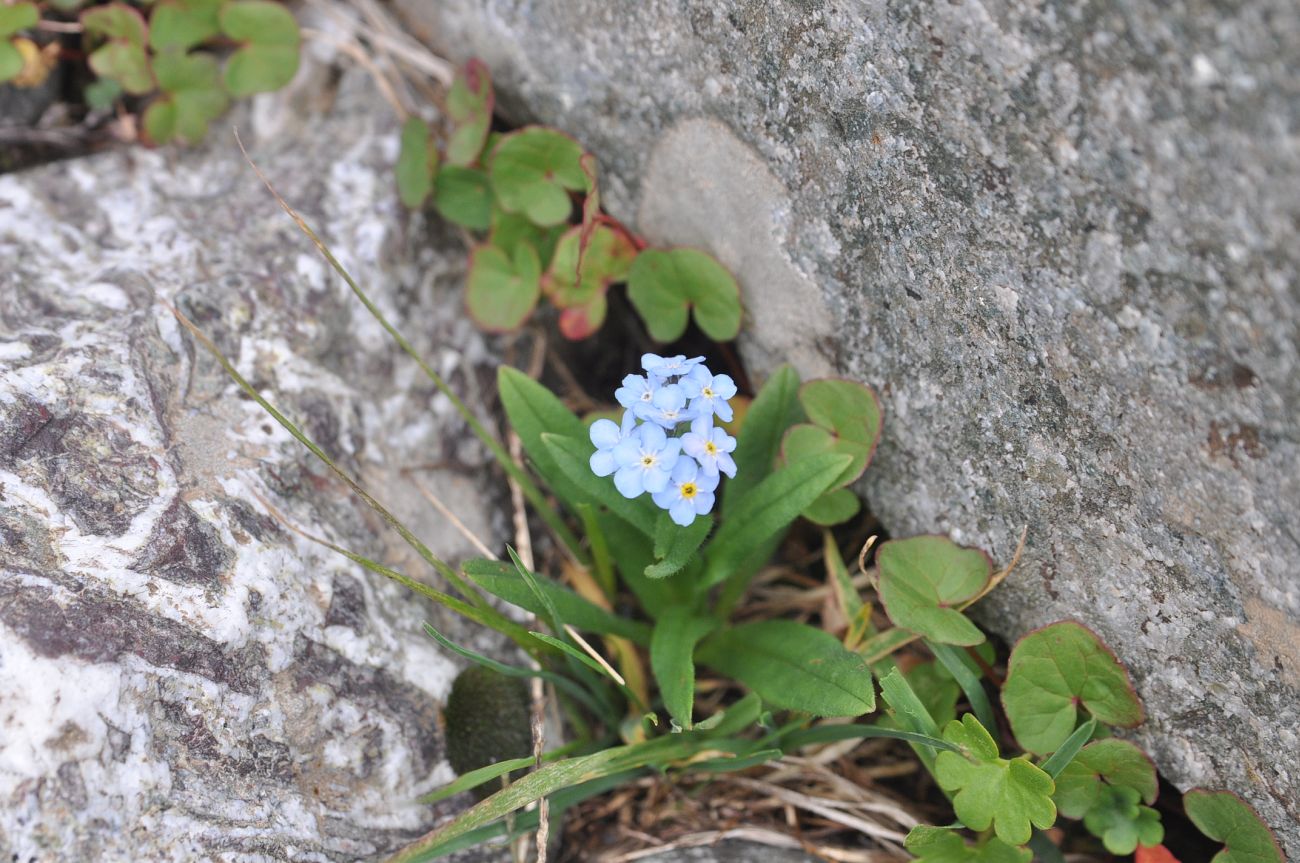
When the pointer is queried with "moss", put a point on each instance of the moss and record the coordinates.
(486, 719)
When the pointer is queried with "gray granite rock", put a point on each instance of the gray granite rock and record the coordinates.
(1060, 239)
(181, 676)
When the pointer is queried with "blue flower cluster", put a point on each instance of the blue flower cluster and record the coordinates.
(680, 473)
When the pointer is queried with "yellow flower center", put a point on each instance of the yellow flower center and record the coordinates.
(689, 490)
(708, 393)
(711, 448)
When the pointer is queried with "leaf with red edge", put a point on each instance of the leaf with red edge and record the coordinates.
(580, 322)
(609, 257)
(1225, 817)
(1154, 854)
(1053, 672)
(502, 290)
(122, 58)
(469, 104)
(590, 209)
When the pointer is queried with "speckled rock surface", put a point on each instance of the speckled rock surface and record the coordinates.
(181, 676)
(1060, 239)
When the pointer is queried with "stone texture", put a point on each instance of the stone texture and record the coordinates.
(1060, 239)
(181, 676)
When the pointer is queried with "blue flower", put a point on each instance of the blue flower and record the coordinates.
(662, 368)
(667, 408)
(709, 393)
(711, 447)
(606, 434)
(645, 459)
(689, 493)
(636, 390)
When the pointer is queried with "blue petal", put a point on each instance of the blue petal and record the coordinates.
(703, 502)
(683, 512)
(727, 464)
(605, 434)
(628, 482)
(655, 479)
(602, 463)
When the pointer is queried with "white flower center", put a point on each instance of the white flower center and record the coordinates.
(707, 392)
(647, 460)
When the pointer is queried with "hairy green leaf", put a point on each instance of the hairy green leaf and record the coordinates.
(679, 545)
(1009, 795)
(672, 649)
(572, 457)
(665, 286)
(1226, 818)
(921, 578)
(767, 510)
(1055, 670)
(759, 440)
(793, 666)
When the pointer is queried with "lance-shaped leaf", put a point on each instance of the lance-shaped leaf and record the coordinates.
(502, 291)
(269, 41)
(608, 258)
(1103, 762)
(534, 170)
(1013, 796)
(677, 546)
(179, 25)
(923, 577)
(945, 845)
(1226, 818)
(19, 16)
(759, 440)
(1055, 670)
(417, 162)
(469, 104)
(672, 648)
(463, 196)
(192, 97)
(122, 58)
(1121, 823)
(793, 666)
(665, 286)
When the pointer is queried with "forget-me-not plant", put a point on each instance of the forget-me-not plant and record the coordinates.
(680, 473)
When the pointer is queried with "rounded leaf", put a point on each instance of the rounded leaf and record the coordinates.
(417, 160)
(182, 24)
(502, 290)
(269, 46)
(923, 577)
(122, 58)
(1055, 670)
(463, 196)
(192, 97)
(835, 507)
(666, 286)
(1226, 818)
(469, 104)
(1112, 761)
(19, 16)
(533, 171)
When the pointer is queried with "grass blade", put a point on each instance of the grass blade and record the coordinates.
(968, 680)
(1070, 748)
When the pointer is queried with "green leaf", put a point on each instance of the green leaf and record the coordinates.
(572, 456)
(181, 24)
(1226, 818)
(922, 577)
(510, 230)
(672, 648)
(500, 579)
(11, 61)
(19, 16)
(959, 666)
(907, 707)
(1008, 795)
(935, 688)
(759, 439)
(608, 258)
(269, 45)
(834, 733)
(835, 507)
(676, 546)
(737, 718)
(633, 555)
(846, 594)
(766, 511)
(844, 416)
(122, 58)
(1121, 823)
(1054, 670)
(191, 98)
(793, 666)
(560, 775)
(102, 93)
(945, 845)
(1110, 761)
(533, 171)
(469, 104)
(1069, 750)
(665, 286)
(502, 291)
(474, 778)
(417, 162)
(463, 196)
